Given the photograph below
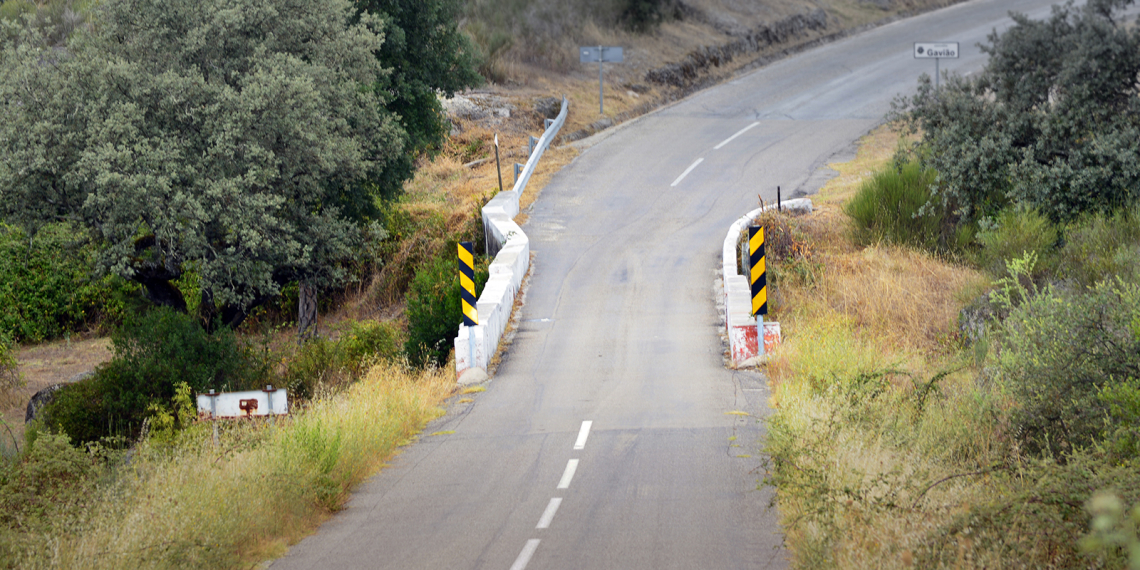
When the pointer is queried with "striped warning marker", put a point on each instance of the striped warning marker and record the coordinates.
(467, 284)
(756, 277)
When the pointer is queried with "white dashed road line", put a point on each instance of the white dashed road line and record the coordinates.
(524, 556)
(686, 172)
(585, 431)
(548, 514)
(568, 474)
(738, 133)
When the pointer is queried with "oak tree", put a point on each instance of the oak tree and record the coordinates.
(232, 138)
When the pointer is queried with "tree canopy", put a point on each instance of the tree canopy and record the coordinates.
(1052, 122)
(426, 55)
(223, 137)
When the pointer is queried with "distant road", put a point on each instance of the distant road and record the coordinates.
(612, 436)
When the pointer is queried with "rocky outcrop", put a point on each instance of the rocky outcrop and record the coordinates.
(44, 397)
(685, 72)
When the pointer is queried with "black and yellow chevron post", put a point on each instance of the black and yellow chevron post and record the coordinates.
(467, 284)
(756, 275)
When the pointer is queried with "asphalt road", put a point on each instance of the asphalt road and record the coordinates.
(611, 436)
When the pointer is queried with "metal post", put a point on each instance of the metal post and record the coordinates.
(779, 207)
(471, 347)
(531, 143)
(601, 95)
(498, 166)
(546, 124)
(759, 335)
(937, 75)
(518, 169)
(214, 414)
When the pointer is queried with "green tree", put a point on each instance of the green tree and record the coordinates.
(427, 55)
(1052, 122)
(226, 135)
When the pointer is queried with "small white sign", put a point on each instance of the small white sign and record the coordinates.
(936, 50)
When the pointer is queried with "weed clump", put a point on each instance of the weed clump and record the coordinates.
(895, 206)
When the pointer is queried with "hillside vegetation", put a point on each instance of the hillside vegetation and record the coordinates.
(960, 382)
(356, 185)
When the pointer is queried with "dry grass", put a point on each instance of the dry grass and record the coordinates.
(263, 487)
(856, 444)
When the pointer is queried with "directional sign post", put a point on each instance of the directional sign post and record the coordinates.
(936, 51)
(600, 54)
(759, 281)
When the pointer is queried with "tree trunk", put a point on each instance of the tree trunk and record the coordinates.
(307, 312)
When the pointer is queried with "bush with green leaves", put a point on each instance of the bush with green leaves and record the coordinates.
(434, 312)
(250, 157)
(153, 354)
(9, 375)
(1051, 122)
(326, 363)
(892, 207)
(646, 15)
(1036, 520)
(1070, 358)
(1115, 530)
(47, 287)
(1014, 233)
(1101, 247)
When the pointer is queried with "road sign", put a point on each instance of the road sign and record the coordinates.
(933, 50)
(467, 284)
(936, 51)
(600, 54)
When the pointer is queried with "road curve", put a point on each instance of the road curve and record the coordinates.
(612, 436)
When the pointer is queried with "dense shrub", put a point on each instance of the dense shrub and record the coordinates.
(1071, 359)
(50, 476)
(47, 287)
(153, 353)
(1015, 232)
(1037, 520)
(645, 15)
(433, 311)
(1099, 247)
(1051, 122)
(9, 376)
(895, 206)
(327, 363)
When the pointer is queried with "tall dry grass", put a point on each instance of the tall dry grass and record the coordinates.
(880, 435)
(193, 504)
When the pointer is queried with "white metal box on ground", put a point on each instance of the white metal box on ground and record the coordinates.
(270, 401)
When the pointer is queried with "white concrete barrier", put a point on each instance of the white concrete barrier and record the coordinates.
(506, 240)
(739, 323)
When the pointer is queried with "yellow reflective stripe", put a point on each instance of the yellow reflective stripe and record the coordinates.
(471, 312)
(757, 270)
(759, 300)
(756, 241)
(466, 283)
(466, 257)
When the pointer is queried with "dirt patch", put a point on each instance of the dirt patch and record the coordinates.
(50, 363)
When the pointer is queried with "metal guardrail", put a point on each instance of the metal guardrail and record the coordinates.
(540, 147)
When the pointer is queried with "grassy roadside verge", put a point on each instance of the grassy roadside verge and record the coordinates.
(895, 443)
(181, 501)
(866, 330)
